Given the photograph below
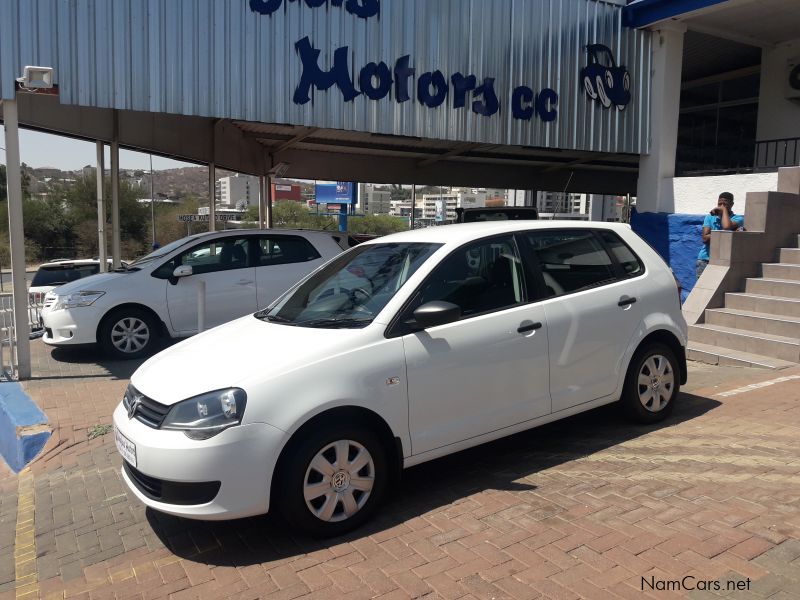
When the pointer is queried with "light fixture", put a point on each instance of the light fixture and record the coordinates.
(37, 78)
(279, 170)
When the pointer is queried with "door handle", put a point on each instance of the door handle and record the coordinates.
(527, 328)
(245, 282)
(626, 302)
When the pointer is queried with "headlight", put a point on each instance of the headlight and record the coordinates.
(85, 298)
(206, 415)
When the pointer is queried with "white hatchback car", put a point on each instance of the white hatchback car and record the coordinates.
(404, 349)
(59, 272)
(127, 309)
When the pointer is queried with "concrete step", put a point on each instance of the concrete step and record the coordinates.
(790, 255)
(762, 344)
(781, 271)
(714, 355)
(763, 304)
(765, 286)
(754, 321)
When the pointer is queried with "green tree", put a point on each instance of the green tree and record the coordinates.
(376, 224)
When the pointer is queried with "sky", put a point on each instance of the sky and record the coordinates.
(45, 150)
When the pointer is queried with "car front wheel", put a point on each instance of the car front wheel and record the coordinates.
(128, 333)
(651, 385)
(333, 480)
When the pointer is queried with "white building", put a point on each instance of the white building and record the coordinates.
(237, 191)
(374, 201)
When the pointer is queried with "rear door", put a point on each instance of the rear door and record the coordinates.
(591, 309)
(281, 261)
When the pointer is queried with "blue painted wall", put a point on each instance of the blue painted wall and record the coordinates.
(676, 237)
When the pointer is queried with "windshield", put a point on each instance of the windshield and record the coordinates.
(351, 290)
(61, 274)
(164, 250)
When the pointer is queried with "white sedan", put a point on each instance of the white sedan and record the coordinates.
(402, 350)
(127, 309)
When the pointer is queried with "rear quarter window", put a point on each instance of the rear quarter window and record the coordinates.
(631, 264)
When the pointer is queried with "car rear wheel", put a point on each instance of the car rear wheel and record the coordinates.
(333, 480)
(587, 84)
(601, 91)
(651, 385)
(128, 333)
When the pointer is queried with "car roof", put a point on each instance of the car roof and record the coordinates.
(461, 233)
(235, 232)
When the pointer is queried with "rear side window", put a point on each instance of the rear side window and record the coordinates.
(630, 263)
(61, 274)
(283, 250)
(570, 260)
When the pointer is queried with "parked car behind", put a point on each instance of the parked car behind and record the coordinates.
(496, 213)
(404, 349)
(52, 274)
(126, 310)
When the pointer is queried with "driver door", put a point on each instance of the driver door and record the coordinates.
(224, 265)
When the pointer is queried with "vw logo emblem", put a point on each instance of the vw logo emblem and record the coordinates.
(134, 405)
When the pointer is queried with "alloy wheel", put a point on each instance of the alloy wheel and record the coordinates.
(655, 383)
(130, 335)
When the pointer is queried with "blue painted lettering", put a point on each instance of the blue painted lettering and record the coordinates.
(369, 74)
(402, 73)
(545, 102)
(424, 89)
(522, 103)
(490, 104)
(360, 8)
(462, 85)
(313, 76)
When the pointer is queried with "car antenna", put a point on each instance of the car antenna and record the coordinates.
(553, 216)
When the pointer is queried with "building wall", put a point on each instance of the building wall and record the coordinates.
(237, 188)
(778, 117)
(378, 202)
(698, 195)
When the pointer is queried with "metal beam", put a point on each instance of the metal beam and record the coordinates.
(579, 161)
(461, 149)
(16, 233)
(735, 74)
(729, 35)
(298, 138)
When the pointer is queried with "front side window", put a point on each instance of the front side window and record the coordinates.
(481, 277)
(351, 290)
(570, 260)
(284, 250)
(217, 255)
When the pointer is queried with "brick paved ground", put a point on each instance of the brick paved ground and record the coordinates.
(583, 508)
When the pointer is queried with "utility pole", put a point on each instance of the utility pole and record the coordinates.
(152, 202)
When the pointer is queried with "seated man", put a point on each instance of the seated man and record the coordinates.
(720, 218)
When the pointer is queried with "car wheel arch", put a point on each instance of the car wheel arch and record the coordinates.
(392, 443)
(669, 339)
(163, 330)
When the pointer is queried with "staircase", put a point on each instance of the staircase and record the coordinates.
(759, 327)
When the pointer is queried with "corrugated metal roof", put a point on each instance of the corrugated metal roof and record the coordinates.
(218, 58)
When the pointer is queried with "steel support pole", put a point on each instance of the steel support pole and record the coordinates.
(16, 235)
(212, 198)
(115, 241)
(269, 202)
(262, 200)
(413, 203)
(102, 242)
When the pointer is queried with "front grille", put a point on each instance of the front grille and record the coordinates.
(147, 411)
(172, 492)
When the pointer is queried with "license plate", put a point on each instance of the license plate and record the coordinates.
(126, 447)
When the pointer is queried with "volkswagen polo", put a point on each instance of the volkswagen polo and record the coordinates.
(401, 350)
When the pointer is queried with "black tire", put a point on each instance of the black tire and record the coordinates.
(288, 492)
(111, 333)
(638, 400)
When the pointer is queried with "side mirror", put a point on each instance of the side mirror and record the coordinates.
(182, 271)
(179, 272)
(432, 314)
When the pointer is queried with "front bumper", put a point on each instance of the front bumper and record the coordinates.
(71, 327)
(241, 459)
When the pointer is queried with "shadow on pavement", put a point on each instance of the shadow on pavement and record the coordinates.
(90, 361)
(494, 466)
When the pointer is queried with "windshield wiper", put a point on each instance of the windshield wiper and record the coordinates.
(272, 318)
(127, 269)
(333, 322)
